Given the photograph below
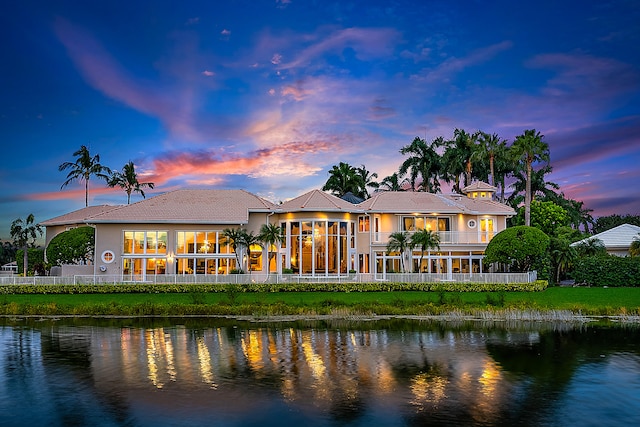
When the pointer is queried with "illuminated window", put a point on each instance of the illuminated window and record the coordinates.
(108, 257)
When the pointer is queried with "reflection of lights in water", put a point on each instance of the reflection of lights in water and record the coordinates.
(168, 348)
(489, 378)
(204, 357)
(152, 362)
(386, 380)
(428, 388)
(318, 369)
(252, 349)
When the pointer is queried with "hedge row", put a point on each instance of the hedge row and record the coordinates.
(607, 271)
(539, 285)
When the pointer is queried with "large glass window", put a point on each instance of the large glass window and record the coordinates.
(144, 242)
(320, 247)
(432, 223)
(201, 242)
(363, 224)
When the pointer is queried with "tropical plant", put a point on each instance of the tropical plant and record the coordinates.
(367, 180)
(83, 168)
(400, 242)
(24, 234)
(425, 240)
(75, 246)
(489, 147)
(529, 148)
(235, 238)
(604, 223)
(539, 185)
(128, 181)
(562, 256)
(546, 216)
(519, 247)
(391, 183)
(634, 249)
(271, 235)
(591, 247)
(423, 162)
(248, 240)
(344, 178)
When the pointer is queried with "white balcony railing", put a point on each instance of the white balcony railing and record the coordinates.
(446, 237)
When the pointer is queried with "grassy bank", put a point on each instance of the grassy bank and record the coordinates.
(584, 301)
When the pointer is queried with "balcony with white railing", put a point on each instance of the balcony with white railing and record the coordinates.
(446, 237)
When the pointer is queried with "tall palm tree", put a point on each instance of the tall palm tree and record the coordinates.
(83, 168)
(128, 181)
(562, 256)
(391, 183)
(367, 179)
(489, 146)
(343, 178)
(271, 235)
(423, 162)
(527, 149)
(425, 240)
(400, 241)
(24, 234)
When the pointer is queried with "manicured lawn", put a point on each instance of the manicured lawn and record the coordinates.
(593, 301)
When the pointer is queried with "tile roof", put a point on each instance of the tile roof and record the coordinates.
(77, 217)
(316, 200)
(410, 201)
(479, 186)
(190, 206)
(617, 237)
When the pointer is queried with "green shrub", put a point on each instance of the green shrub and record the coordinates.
(608, 270)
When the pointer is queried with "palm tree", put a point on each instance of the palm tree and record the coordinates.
(128, 181)
(562, 255)
(249, 239)
(271, 235)
(24, 234)
(634, 249)
(423, 162)
(591, 247)
(391, 183)
(538, 185)
(399, 241)
(529, 148)
(235, 239)
(83, 168)
(367, 179)
(426, 240)
(343, 178)
(490, 146)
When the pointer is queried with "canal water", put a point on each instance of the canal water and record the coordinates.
(214, 372)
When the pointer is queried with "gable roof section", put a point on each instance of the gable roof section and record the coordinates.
(479, 186)
(316, 200)
(422, 202)
(79, 216)
(617, 237)
(190, 207)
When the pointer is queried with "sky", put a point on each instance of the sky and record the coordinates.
(268, 95)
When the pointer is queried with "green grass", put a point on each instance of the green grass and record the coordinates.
(587, 301)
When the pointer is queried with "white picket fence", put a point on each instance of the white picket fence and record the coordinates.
(275, 278)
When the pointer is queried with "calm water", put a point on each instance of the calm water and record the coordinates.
(394, 373)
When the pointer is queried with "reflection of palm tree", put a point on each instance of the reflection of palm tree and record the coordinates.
(400, 242)
(423, 162)
(128, 181)
(529, 148)
(425, 240)
(271, 235)
(24, 233)
(83, 168)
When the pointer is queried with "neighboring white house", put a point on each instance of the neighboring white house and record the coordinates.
(617, 240)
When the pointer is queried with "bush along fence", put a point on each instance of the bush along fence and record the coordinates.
(538, 285)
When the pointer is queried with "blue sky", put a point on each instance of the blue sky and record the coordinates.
(267, 95)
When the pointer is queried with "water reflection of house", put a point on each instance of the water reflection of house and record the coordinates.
(181, 232)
